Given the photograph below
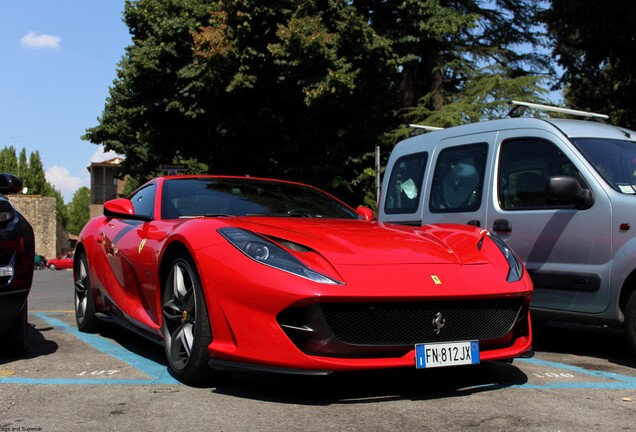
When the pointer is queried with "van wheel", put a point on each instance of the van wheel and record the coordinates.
(630, 322)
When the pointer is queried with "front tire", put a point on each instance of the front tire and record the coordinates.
(15, 336)
(85, 309)
(186, 325)
(630, 322)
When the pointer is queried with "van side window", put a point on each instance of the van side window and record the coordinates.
(459, 178)
(524, 168)
(405, 184)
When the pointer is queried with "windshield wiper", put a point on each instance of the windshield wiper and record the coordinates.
(291, 213)
(206, 215)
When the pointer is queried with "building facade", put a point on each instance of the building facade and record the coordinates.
(105, 183)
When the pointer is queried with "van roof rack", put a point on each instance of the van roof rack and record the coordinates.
(428, 128)
(519, 108)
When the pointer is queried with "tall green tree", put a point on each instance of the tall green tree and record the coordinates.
(23, 166)
(8, 160)
(461, 61)
(306, 89)
(31, 172)
(35, 173)
(78, 210)
(594, 42)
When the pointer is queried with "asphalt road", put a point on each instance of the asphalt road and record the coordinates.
(580, 379)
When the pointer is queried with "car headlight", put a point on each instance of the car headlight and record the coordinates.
(515, 271)
(270, 254)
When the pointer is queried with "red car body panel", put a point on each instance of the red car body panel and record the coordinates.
(375, 262)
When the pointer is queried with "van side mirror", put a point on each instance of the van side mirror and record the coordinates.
(568, 188)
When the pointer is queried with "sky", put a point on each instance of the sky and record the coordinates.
(58, 59)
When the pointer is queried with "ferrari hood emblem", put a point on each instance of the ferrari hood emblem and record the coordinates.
(436, 280)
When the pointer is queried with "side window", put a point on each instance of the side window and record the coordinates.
(459, 179)
(404, 190)
(524, 167)
(144, 200)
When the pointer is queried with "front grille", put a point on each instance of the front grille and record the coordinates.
(411, 323)
(391, 328)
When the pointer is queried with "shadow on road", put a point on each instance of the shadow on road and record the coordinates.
(38, 345)
(600, 342)
(374, 386)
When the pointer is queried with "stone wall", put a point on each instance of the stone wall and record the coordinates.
(50, 238)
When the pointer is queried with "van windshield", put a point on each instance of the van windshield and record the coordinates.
(615, 161)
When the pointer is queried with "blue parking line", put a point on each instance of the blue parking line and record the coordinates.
(157, 373)
(617, 381)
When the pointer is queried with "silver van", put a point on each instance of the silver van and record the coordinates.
(562, 193)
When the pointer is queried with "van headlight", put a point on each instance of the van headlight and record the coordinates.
(268, 253)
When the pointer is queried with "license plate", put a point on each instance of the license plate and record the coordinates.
(446, 354)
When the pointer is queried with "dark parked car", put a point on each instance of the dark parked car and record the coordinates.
(40, 262)
(17, 252)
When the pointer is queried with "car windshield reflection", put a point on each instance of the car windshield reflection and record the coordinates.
(223, 197)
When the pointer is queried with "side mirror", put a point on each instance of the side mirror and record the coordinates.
(365, 212)
(568, 188)
(122, 208)
(9, 184)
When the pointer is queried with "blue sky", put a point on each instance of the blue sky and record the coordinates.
(59, 58)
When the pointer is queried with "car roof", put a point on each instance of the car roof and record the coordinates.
(591, 129)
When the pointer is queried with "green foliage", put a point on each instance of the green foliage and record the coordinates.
(594, 43)
(37, 183)
(307, 89)
(31, 172)
(60, 207)
(78, 210)
(148, 115)
(8, 160)
(23, 167)
(130, 186)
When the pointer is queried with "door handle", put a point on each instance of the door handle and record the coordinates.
(474, 222)
(502, 227)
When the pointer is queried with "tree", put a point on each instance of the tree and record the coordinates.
(23, 167)
(35, 173)
(8, 160)
(60, 207)
(594, 43)
(306, 89)
(461, 61)
(31, 172)
(78, 210)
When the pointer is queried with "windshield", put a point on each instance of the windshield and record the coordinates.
(191, 197)
(615, 161)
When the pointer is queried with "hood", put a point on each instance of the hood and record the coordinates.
(357, 242)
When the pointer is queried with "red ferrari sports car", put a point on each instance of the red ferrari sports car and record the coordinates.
(62, 262)
(248, 274)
